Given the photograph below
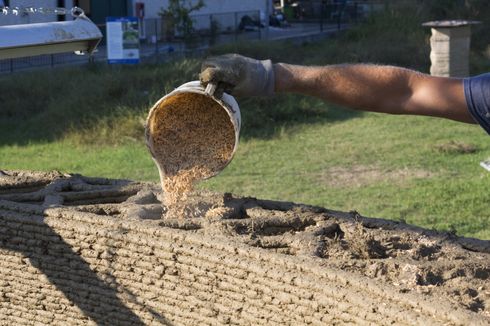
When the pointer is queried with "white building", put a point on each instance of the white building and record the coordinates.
(226, 13)
(223, 14)
(153, 7)
(99, 9)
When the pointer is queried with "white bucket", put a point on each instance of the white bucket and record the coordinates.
(227, 102)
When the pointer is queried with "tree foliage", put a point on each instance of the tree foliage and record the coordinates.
(178, 11)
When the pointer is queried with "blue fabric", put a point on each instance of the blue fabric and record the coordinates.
(477, 93)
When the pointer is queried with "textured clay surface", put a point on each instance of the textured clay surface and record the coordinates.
(88, 251)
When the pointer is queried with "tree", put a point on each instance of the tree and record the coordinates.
(178, 16)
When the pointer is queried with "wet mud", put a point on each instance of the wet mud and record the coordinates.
(94, 251)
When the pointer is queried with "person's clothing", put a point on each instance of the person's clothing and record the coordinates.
(477, 93)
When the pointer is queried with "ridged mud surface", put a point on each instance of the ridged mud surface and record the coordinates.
(86, 251)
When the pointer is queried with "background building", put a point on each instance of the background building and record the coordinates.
(224, 15)
(98, 10)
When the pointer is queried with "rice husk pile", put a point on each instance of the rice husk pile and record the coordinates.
(192, 139)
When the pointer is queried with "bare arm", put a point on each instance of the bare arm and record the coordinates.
(377, 88)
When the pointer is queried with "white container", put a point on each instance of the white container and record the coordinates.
(227, 102)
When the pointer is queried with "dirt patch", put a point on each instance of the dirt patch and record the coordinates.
(361, 175)
(242, 261)
(456, 147)
(191, 138)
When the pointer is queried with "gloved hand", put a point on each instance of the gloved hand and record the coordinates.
(239, 75)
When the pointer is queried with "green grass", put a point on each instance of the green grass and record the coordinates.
(130, 161)
(424, 171)
(295, 164)
(450, 194)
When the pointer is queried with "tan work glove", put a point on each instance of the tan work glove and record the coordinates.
(238, 75)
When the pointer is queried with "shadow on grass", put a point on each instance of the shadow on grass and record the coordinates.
(265, 118)
(105, 105)
(43, 106)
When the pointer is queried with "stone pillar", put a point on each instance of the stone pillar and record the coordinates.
(450, 47)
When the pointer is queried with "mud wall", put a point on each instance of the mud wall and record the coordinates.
(61, 265)
(83, 269)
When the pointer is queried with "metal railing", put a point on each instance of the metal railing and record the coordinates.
(163, 40)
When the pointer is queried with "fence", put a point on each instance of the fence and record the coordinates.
(160, 38)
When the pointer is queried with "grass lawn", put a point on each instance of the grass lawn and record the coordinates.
(422, 170)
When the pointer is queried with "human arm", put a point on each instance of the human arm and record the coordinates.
(375, 88)
(365, 87)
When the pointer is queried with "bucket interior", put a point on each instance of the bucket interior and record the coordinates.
(186, 130)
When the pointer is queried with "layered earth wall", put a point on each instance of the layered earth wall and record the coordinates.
(77, 250)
